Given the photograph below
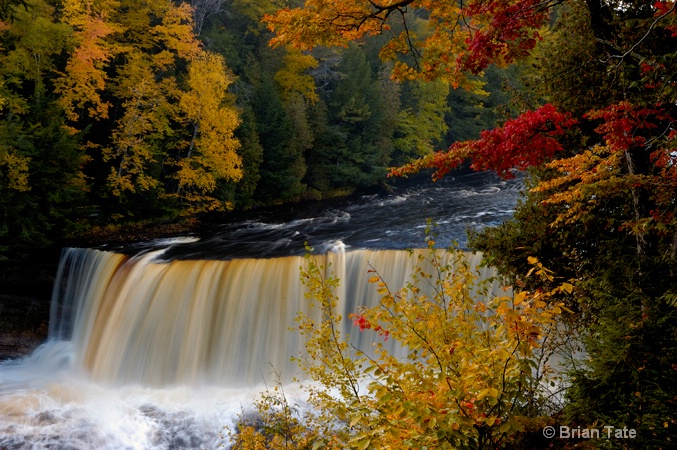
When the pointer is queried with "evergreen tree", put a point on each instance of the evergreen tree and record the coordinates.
(283, 165)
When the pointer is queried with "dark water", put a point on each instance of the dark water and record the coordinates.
(393, 221)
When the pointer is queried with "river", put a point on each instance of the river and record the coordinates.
(380, 221)
(161, 344)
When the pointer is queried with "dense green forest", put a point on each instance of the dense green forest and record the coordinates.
(127, 112)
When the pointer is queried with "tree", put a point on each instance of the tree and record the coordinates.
(210, 153)
(526, 141)
(170, 140)
(202, 9)
(8, 8)
(501, 98)
(355, 145)
(421, 125)
(41, 182)
(293, 77)
(283, 165)
(468, 372)
(41, 166)
(600, 148)
(84, 79)
(144, 124)
(251, 154)
(31, 43)
(460, 38)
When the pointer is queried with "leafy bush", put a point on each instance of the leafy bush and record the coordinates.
(471, 372)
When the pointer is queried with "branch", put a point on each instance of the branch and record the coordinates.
(390, 8)
(648, 32)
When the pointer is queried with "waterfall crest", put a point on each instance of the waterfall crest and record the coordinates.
(152, 322)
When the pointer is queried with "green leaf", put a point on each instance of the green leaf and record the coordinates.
(505, 427)
(362, 445)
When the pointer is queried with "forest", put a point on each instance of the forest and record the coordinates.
(115, 113)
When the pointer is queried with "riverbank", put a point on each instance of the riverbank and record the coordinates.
(24, 322)
(25, 293)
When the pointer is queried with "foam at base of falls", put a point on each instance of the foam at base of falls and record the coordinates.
(46, 403)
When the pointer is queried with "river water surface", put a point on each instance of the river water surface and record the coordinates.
(394, 221)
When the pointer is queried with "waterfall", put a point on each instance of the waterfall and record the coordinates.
(143, 320)
(146, 353)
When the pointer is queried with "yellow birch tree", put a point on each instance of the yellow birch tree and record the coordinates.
(210, 152)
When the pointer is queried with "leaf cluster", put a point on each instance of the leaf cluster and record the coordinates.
(453, 364)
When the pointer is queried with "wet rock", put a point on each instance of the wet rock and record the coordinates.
(24, 322)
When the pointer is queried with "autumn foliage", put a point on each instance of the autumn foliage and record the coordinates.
(117, 110)
(480, 33)
(529, 140)
(471, 374)
(609, 169)
(602, 163)
(606, 169)
(510, 31)
(138, 75)
(458, 38)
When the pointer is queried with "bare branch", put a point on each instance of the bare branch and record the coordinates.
(648, 32)
(203, 9)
